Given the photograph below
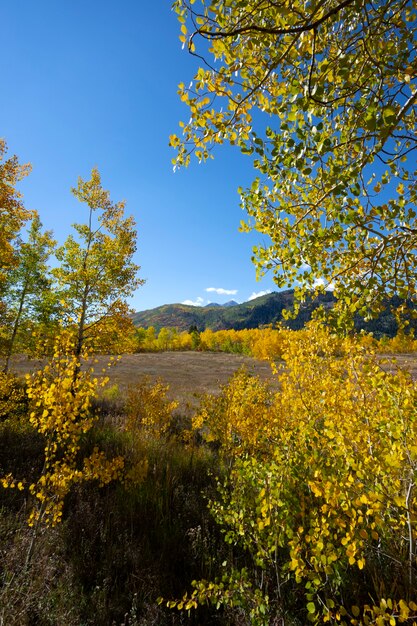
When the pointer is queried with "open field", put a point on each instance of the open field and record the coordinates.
(190, 374)
(404, 361)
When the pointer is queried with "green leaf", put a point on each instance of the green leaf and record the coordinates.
(311, 607)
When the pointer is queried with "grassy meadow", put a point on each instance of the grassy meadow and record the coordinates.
(189, 374)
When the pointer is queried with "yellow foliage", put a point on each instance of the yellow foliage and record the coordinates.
(98, 467)
(137, 473)
(323, 474)
(12, 396)
(148, 410)
(60, 397)
(268, 343)
(402, 343)
(13, 214)
(114, 334)
(235, 419)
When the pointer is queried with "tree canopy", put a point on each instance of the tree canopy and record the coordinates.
(28, 294)
(96, 272)
(13, 214)
(322, 95)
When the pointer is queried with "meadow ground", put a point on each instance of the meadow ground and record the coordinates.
(188, 374)
(191, 374)
(405, 361)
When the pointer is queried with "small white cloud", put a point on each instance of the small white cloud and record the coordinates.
(320, 282)
(222, 292)
(259, 294)
(198, 302)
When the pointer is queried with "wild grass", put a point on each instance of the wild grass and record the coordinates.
(121, 546)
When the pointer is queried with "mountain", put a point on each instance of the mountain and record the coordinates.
(261, 311)
(230, 303)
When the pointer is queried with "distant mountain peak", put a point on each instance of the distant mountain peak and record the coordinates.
(226, 304)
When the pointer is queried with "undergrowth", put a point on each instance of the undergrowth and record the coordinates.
(272, 506)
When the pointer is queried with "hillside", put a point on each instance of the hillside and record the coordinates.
(261, 311)
(264, 310)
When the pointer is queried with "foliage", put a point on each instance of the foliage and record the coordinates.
(266, 344)
(323, 97)
(13, 401)
(60, 410)
(118, 547)
(402, 342)
(96, 272)
(13, 214)
(293, 470)
(148, 410)
(260, 343)
(321, 491)
(28, 293)
(114, 335)
(228, 419)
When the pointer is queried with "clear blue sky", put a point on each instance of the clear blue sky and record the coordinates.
(89, 83)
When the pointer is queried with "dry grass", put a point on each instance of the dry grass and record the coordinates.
(405, 361)
(188, 374)
(191, 374)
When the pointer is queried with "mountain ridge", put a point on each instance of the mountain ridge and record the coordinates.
(262, 311)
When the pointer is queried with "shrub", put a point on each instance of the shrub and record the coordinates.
(148, 410)
(13, 400)
(321, 496)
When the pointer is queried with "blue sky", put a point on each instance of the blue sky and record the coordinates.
(88, 83)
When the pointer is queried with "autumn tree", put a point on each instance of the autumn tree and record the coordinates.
(13, 214)
(28, 285)
(317, 489)
(322, 96)
(97, 272)
(60, 401)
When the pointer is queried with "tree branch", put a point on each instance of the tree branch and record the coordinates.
(294, 30)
